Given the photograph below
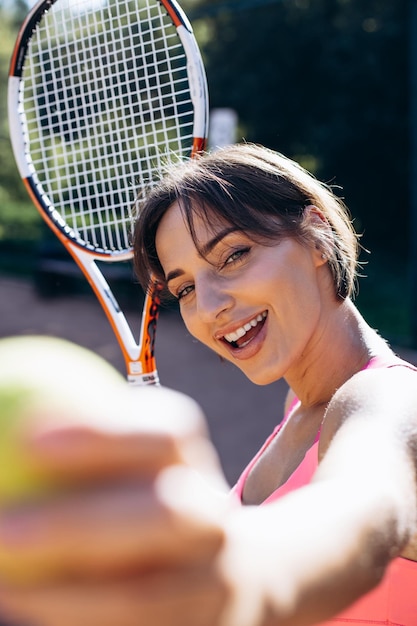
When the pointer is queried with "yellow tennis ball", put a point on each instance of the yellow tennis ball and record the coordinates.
(44, 380)
(47, 382)
(44, 375)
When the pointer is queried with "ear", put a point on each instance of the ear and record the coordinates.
(321, 233)
(316, 215)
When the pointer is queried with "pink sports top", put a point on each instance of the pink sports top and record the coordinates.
(394, 601)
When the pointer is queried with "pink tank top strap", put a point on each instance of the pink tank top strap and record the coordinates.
(388, 361)
(237, 490)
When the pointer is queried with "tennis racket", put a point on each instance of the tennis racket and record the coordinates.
(101, 94)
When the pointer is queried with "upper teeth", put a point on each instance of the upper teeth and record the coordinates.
(237, 334)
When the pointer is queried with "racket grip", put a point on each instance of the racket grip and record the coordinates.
(139, 380)
(143, 371)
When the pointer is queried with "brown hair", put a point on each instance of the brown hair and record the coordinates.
(260, 192)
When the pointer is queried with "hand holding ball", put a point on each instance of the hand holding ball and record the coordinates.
(50, 386)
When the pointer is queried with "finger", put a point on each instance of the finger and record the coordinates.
(131, 527)
(74, 452)
(147, 430)
(194, 597)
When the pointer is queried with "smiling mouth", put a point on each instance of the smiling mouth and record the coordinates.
(243, 335)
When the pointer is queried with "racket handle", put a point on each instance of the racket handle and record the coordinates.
(143, 371)
(139, 380)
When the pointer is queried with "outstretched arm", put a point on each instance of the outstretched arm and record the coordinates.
(161, 547)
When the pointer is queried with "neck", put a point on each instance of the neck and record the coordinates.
(341, 347)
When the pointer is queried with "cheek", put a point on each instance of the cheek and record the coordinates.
(192, 324)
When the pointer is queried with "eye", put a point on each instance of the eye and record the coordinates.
(237, 255)
(184, 291)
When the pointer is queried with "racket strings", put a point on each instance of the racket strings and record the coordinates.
(106, 102)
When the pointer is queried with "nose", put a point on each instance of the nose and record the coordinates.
(212, 300)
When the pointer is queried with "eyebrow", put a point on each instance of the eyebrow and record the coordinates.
(205, 249)
(212, 243)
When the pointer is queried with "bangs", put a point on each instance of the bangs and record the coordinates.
(219, 202)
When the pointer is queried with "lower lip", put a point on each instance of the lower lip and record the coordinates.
(252, 348)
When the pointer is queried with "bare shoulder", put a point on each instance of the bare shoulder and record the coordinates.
(368, 444)
(374, 403)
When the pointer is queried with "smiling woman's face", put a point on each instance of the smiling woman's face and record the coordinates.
(256, 305)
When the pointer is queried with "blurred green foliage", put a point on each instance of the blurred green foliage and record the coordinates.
(324, 81)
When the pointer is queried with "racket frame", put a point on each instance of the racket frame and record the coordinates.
(139, 356)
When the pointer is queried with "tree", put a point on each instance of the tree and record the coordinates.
(324, 81)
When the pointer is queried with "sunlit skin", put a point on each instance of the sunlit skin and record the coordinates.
(240, 279)
(144, 530)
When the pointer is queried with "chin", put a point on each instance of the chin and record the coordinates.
(262, 378)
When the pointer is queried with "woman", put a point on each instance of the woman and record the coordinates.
(262, 260)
